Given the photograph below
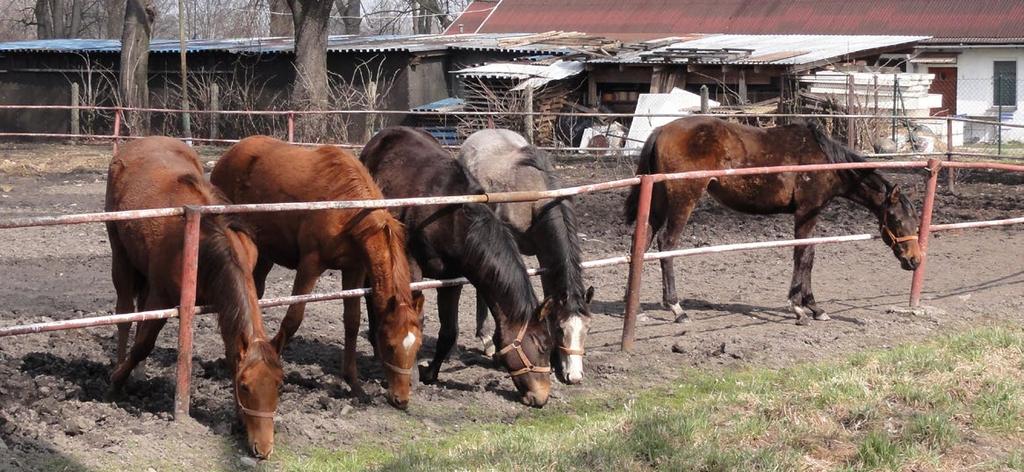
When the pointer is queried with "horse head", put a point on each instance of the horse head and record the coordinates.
(258, 372)
(398, 341)
(526, 353)
(571, 324)
(898, 224)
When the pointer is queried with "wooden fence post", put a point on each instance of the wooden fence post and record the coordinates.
(214, 107)
(75, 101)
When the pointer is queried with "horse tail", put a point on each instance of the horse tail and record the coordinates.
(648, 164)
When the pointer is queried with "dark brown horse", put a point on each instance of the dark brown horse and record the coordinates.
(464, 240)
(701, 143)
(160, 172)
(502, 161)
(360, 243)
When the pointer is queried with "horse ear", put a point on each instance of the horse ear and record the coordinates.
(546, 308)
(417, 301)
(590, 295)
(894, 195)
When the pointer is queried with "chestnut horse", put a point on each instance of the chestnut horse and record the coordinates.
(447, 241)
(358, 242)
(159, 172)
(702, 143)
(502, 161)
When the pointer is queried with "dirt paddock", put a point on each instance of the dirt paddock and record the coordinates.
(52, 386)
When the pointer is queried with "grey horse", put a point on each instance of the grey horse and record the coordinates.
(503, 161)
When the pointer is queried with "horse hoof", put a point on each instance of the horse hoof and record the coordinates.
(426, 376)
(802, 321)
(822, 316)
(677, 311)
(488, 345)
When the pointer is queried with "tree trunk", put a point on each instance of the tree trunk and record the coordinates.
(115, 18)
(351, 15)
(44, 24)
(134, 74)
(75, 26)
(280, 18)
(58, 20)
(311, 20)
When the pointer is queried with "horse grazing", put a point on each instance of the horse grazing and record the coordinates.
(502, 161)
(159, 172)
(701, 143)
(358, 242)
(464, 240)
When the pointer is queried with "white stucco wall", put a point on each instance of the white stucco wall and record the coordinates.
(975, 90)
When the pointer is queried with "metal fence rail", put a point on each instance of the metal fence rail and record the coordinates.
(634, 259)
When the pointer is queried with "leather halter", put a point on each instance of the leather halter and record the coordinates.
(396, 369)
(893, 240)
(517, 345)
(256, 413)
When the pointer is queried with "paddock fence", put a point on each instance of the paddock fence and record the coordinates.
(635, 259)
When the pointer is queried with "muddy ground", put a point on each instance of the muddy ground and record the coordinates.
(52, 386)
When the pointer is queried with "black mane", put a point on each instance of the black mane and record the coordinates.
(837, 153)
(491, 254)
(557, 226)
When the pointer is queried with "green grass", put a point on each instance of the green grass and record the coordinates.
(912, 407)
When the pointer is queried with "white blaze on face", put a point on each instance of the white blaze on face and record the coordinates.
(572, 365)
(409, 340)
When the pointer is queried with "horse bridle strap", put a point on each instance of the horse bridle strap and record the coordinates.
(396, 369)
(517, 345)
(255, 413)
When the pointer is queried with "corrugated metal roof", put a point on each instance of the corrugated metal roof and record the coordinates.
(339, 43)
(531, 75)
(659, 18)
(763, 49)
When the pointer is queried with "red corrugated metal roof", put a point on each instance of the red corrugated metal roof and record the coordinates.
(472, 17)
(657, 18)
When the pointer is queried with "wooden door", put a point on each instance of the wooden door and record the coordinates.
(944, 83)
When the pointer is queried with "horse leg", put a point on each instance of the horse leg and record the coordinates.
(306, 275)
(448, 315)
(486, 341)
(259, 275)
(683, 196)
(801, 299)
(124, 277)
(145, 340)
(350, 279)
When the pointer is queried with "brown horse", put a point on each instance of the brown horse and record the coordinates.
(469, 240)
(160, 172)
(357, 242)
(701, 143)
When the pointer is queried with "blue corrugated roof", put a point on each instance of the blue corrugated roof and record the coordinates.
(441, 105)
(338, 43)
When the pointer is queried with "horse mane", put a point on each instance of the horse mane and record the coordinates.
(346, 177)
(837, 153)
(380, 221)
(490, 247)
(222, 275)
(349, 180)
(557, 224)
